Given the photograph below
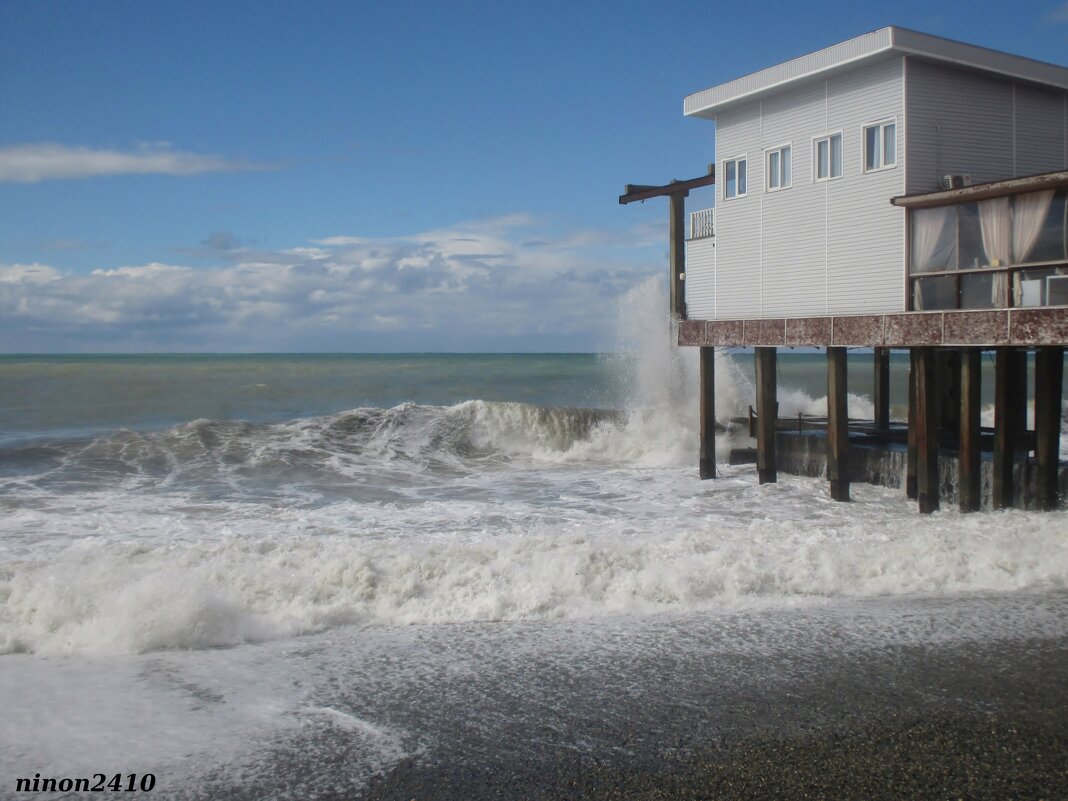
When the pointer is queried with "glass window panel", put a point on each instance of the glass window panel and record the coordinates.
(836, 155)
(889, 144)
(823, 158)
(1047, 287)
(785, 167)
(936, 293)
(1051, 245)
(977, 291)
(773, 169)
(741, 176)
(970, 251)
(934, 240)
(871, 148)
(730, 189)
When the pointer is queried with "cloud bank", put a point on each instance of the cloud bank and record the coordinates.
(486, 286)
(32, 163)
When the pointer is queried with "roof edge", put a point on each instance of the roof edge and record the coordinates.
(891, 39)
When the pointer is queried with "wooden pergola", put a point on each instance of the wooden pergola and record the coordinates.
(677, 192)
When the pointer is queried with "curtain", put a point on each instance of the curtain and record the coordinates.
(1029, 213)
(995, 219)
(928, 226)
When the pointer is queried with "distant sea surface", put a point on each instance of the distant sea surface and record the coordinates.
(197, 552)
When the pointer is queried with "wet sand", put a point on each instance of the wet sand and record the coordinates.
(918, 698)
(985, 722)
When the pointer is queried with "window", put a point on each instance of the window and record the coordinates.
(880, 146)
(828, 159)
(778, 168)
(734, 178)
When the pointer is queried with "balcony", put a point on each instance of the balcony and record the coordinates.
(702, 224)
(999, 245)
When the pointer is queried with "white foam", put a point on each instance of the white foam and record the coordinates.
(622, 540)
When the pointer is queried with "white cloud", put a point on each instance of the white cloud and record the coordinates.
(32, 163)
(474, 286)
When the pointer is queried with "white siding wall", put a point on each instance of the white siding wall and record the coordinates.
(700, 278)
(983, 125)
(1041, 130)
(865, 234)
(793, 233)
(815, 248)
(737, 262)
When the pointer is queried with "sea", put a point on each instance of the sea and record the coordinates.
(288, 573)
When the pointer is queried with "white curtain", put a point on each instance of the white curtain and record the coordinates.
(1029, 213)
(996, 221)
(928, 226)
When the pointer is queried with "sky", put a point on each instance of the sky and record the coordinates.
(369, 176)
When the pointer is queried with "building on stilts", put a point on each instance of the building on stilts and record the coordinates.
(894, 192)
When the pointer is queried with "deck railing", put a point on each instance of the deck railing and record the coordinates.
(702, 223)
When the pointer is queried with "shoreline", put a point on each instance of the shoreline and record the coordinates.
(968, 722)
(913, 698)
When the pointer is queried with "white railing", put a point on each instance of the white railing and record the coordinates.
(702, 223)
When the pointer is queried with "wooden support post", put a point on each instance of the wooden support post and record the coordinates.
(707, 457)
(971, 379)
(677, 239)
(1049, 375)
(767, 413)
(926, 430)
(1007, 403)
(911, 458)
(882, 389)
(837, 425)
(947, 377)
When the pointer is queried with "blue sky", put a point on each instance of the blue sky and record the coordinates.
(412, 176)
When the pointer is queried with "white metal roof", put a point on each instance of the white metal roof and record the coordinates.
(883, 43)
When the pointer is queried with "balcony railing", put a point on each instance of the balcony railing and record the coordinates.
(990, 247)
(702, 223)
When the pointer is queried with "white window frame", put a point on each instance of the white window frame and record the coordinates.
(882, 164)
(744, 157)
(767, 167)
(830, 161)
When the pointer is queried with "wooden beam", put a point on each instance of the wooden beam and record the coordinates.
(882, 388)
(971, 380)
(635, 192)
(707, 456)
(837, 424)
(1007, 403)
(767, 413)
(1010, 186)
(1049, 375)
(911, 459)
(927, 483)
(677, 256)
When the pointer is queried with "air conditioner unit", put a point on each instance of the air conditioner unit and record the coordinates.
(956, 181)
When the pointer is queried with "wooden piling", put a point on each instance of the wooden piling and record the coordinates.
(968, 481)
(707, 457)
(911, 457)
(882, 388)
(1049, 375)
(677, 254)
(927, 484)
(767, 413)
(948, 403)
(1009, 397)
(837, 424)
